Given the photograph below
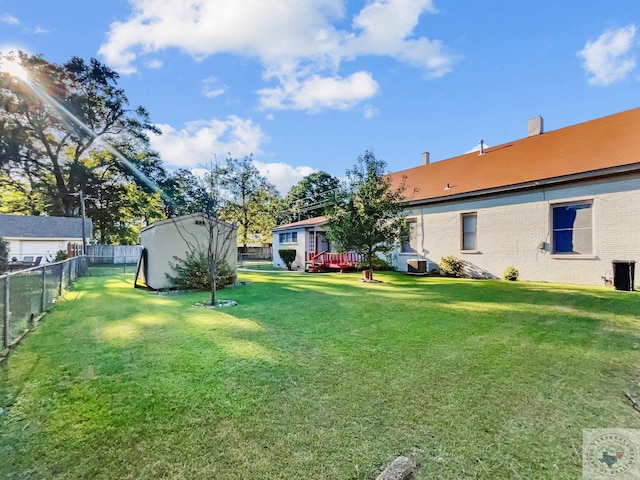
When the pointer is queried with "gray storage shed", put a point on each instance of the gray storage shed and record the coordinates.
(175, 237)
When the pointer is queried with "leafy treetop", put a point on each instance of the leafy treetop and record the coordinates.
(367, 214)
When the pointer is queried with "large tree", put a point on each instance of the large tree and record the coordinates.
(53, 118)
(310, 196)
(186, 193)
(366, 213)
(252, 201)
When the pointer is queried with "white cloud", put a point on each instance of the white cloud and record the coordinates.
(369, 111)
(610, 58)
(300, 44)
(10, 19)
(205, 27)
(212, 88)
(385, 28)
(154, 64)
(198, 141)
(316, 93)
(279, 174)
(282, 175)
(213, 93)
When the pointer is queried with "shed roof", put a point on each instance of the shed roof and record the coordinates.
(598, 147)
(30, 226)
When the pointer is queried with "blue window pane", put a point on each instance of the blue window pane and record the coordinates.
(563, 217)
(572, 229)
(563, 241)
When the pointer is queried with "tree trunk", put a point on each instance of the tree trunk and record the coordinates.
(213, 291)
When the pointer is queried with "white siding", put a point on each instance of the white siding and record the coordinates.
(511, 227)
(300, 246)
(20, 247)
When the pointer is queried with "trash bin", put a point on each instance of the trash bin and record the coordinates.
(623, 274)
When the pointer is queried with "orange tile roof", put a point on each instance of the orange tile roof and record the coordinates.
(310, 222)
(604, 143)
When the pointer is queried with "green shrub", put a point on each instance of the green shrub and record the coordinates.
(511, 273)
(60, 256)
(451, 266)
(288, 256)
(192, 273)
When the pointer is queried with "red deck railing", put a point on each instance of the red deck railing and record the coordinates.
(341, 260)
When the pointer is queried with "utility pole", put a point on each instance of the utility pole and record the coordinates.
(84, 236)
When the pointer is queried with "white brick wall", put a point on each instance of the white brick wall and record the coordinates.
(510, 228)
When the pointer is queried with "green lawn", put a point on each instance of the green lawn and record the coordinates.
(265, 265)
(319, 377)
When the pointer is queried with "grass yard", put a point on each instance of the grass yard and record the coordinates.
(319, 377)
(266, 265)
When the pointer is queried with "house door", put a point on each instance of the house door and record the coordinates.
(323, 243)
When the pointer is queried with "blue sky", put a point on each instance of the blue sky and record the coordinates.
(310, 85)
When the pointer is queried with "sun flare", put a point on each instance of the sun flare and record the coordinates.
(13, 68)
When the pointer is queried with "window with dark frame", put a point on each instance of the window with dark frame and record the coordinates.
(289, 237)
(572, 225)
(469, 231)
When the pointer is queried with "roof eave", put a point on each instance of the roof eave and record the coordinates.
(308, 226)
(605, 172)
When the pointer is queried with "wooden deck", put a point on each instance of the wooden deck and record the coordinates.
(322, 261)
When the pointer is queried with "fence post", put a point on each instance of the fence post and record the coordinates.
(44, 285)
(5, 316)
(60, 279)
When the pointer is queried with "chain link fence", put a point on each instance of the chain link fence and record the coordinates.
(107, 266)
(26, 295)
(108, 260)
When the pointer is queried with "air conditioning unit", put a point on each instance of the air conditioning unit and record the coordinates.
(417, 266)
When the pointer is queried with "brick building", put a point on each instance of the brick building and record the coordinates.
(560, 206)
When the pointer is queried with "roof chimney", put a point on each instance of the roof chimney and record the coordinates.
(425, 158)
(481, 147)
(535, 126)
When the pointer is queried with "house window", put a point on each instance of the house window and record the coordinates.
(470, 231)
(409, 237)
(289, 237)
(572, 229)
